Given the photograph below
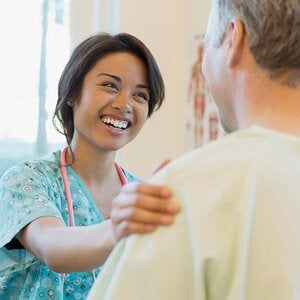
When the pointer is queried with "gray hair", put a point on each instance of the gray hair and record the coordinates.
(273, 29)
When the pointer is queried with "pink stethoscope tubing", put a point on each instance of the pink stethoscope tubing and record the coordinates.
(68, 191)
(67, 185)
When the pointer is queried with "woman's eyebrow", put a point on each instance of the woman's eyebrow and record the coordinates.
(110, 75)
(142, 86)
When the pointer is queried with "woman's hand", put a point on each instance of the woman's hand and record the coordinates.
(141, 207)
(160, 166)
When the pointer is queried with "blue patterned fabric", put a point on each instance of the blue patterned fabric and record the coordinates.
(29, 190)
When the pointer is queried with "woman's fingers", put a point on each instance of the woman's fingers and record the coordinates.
(147, 202)
(141, 207)
(147, 188)
(147, 196)
(160, 166)
(140, 215)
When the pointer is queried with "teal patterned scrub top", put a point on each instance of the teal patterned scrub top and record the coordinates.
(29, 190)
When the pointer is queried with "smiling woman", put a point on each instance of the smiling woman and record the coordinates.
(111, 89)
(124, 95)
(107, 90)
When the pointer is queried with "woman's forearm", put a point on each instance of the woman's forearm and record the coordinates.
(69, 249)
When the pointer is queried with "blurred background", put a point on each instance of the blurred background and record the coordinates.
(37, 37)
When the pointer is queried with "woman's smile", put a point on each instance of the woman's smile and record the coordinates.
(117, 123)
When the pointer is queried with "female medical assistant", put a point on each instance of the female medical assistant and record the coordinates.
(36, 188)
(105, 95)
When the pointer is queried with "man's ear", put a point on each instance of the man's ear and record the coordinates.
(235, 39)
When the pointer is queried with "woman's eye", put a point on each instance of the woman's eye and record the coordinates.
(110, 85)
(143, 96)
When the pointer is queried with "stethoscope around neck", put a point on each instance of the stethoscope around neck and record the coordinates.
(68, 190)
(67, 185)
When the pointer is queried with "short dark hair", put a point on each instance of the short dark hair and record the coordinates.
(82, 60)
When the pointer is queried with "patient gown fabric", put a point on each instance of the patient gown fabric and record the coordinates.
(237, 235)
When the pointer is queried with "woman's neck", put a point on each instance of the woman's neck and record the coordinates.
(97, 171)
(92, 165)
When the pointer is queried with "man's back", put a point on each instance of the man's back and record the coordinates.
(237, 236)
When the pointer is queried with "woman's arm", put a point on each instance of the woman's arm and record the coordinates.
(68, 249)
(139, 208)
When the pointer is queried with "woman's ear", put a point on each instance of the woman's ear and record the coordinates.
(70, 103)
(235, 39)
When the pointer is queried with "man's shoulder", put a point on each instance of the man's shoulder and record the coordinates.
(230, 147)
(231, 154)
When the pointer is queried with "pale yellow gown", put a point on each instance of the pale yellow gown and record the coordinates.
(237, 235)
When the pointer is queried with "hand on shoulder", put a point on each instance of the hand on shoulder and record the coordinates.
(141, 207)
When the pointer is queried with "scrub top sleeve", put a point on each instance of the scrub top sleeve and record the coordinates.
(25, 195)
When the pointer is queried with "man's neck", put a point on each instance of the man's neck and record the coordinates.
(268, 104)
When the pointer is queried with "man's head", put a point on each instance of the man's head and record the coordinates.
(272, 31)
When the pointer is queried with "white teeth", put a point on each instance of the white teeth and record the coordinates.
(115, 123)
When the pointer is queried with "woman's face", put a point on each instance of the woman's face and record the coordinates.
(113, 104)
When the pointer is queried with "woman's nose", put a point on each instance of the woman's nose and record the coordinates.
(123, 103)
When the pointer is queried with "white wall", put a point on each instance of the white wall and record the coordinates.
(81, 21)
(166, 27)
